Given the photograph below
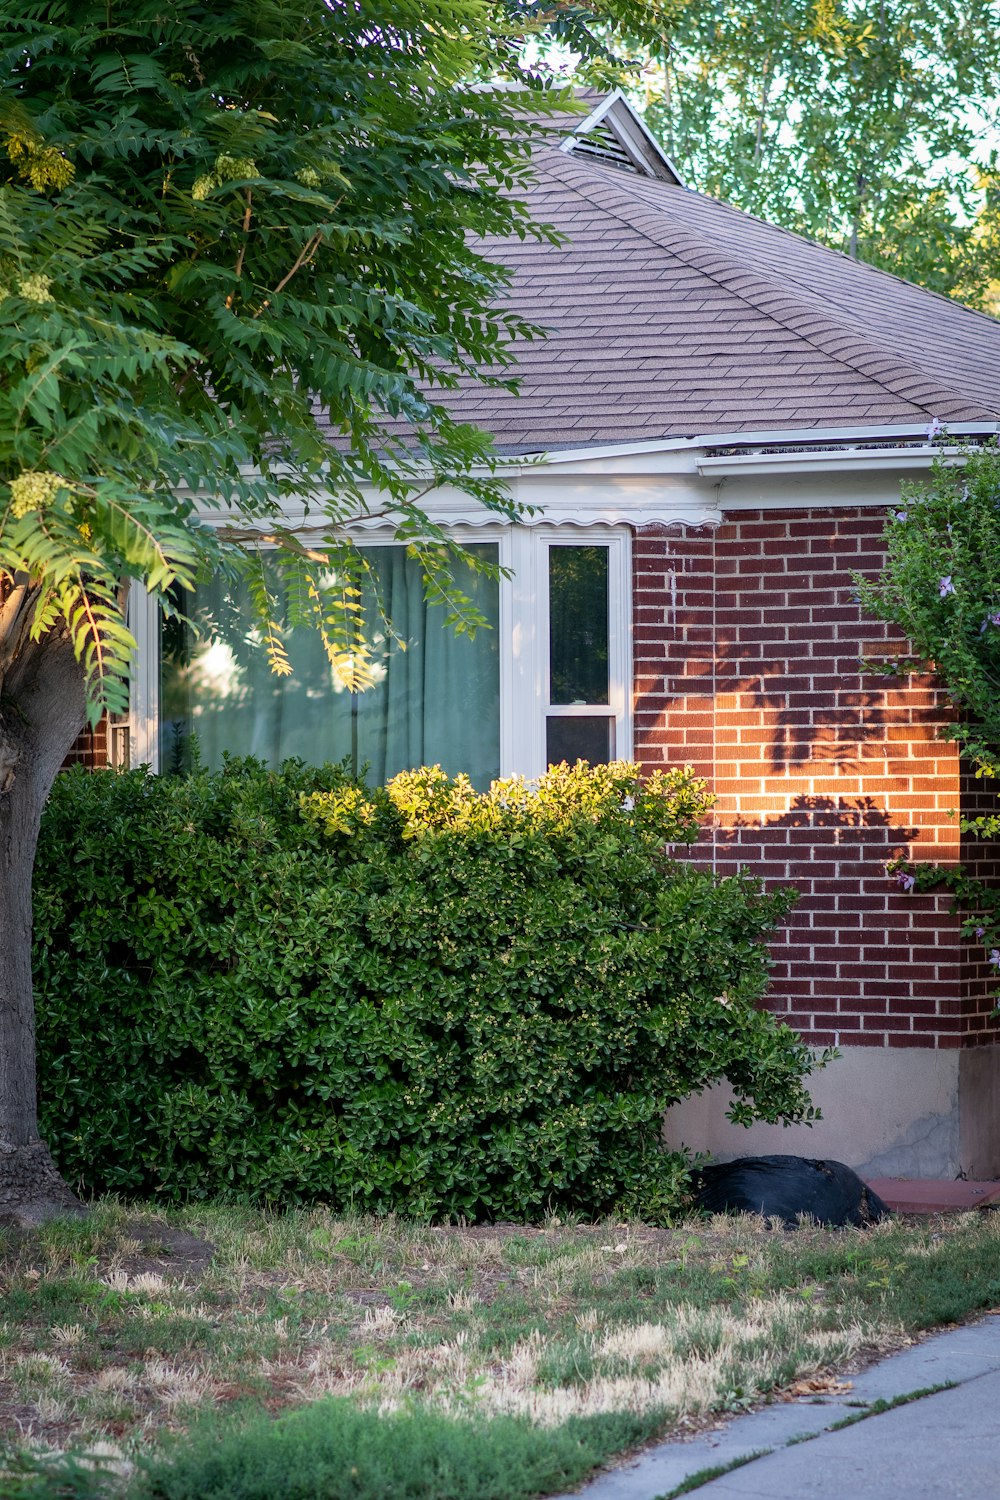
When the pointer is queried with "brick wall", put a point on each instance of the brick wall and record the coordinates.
(90, 749)
(981, 858)
(748, 650)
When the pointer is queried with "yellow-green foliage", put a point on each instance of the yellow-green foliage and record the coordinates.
(415, 998)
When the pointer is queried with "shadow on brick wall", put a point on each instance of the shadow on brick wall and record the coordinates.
(831, 725)
(858, 961)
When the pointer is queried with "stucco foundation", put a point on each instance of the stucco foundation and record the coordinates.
(979, 1126)
(887, 1112)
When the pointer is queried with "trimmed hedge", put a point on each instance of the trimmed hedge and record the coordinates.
(289, 986)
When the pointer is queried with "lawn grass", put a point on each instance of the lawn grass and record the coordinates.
(123, 1328)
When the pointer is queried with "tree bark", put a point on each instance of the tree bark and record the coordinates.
(42, 710)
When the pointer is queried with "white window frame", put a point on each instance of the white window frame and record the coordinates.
(524, 642)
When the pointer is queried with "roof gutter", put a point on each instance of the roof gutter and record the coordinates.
(829, 460)
(836, 449)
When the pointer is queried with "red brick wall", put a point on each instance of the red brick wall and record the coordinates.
(90, 749)
(747, 650)
(981, 858)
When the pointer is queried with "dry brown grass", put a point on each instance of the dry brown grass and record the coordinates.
(127, 1324)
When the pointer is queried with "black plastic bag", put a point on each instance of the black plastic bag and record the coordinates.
(785, 1187)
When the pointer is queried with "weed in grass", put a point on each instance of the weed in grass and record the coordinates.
(336, 1451)
(67, 1335)
(565, 1364)
(170, 1334)
(29, 1475)
(37, 1374)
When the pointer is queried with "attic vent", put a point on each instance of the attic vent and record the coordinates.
(604, 146)
(613, 135)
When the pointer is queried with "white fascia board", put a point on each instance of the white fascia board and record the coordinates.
(672, 481)
(561, 500)
(816, 491)
(586, 123)
(586, 458)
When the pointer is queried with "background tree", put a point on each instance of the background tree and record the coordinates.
(218, 222)
(872, 127)
(600, 36)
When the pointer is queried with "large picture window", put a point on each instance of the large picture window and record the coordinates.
(548, 680)
(434, 698)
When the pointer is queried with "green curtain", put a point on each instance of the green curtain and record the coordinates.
(436, 699)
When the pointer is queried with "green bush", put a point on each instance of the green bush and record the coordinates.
(288, 986)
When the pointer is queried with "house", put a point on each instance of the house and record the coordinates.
(709, 436)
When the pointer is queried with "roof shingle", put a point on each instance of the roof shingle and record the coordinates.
(670, 314)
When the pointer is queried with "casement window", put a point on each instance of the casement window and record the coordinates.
(548, 680)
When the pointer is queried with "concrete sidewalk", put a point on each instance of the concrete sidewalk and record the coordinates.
(942, 1446)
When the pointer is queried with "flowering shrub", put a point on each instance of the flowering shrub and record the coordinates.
(417, 998)
(941, 585)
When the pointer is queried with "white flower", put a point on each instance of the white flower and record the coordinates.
(35, 288)
(230, 168)
(34, 491)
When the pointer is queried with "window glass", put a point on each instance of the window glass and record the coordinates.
(569, 738)
(578, 624)
(435, 699)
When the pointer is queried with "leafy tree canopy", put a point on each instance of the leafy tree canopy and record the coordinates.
(941, 586)
(230, 232)
(599, 33)
(872, 127)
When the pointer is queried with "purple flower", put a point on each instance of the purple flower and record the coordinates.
(995, 957)
(980, 932)
(933, 429)
(995, 619)
(945, 586)
(905, 880)
(900, 515)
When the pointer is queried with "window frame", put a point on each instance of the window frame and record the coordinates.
(524, 641)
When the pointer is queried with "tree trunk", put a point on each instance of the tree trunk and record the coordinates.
(41, 713)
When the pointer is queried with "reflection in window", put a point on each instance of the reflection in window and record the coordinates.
(435, 697)
(573, 738)
(578, 624)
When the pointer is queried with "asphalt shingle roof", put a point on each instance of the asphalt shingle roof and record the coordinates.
(670, 314)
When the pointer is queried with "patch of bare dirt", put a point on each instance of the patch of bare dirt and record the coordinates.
(165, 1250)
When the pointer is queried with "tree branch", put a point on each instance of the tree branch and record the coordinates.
(247, 218)
(304, 256)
